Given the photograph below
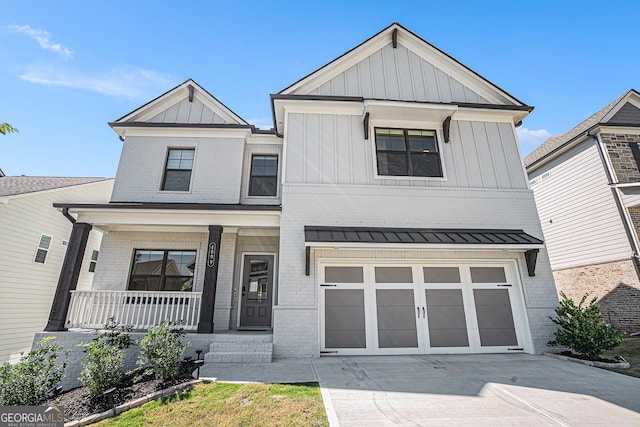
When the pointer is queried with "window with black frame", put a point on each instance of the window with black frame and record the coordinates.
(264, 176)
(162, 270)
(407, 152)
(177, 173)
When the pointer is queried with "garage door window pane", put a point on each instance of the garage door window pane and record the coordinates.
(393, 275)
(495, 318)
(344, 318)
(441, 275)
(447, 322)
(396, 318)
(343, 275)
(488, 275)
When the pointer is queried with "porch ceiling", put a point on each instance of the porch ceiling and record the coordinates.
(174, 217)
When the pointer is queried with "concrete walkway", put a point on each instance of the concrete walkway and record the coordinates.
(455, 390)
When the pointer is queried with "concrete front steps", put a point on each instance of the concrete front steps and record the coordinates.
(240, 347)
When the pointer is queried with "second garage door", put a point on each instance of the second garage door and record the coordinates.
(420, 308)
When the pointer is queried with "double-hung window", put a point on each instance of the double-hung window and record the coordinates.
(43, 249)
(162, 270)
(264, 176)
(407, 152)
(177, 172)
(94, 260)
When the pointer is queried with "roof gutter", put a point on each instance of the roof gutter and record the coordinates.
(65, 212)
(586, 133)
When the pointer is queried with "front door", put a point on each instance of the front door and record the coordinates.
(257, 291)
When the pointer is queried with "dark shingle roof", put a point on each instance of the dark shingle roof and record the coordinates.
(418, 235)
(14, 185)
(556, 142)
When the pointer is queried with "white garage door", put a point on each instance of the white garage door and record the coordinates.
(420, 308)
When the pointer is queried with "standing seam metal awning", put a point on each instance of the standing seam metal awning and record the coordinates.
(423, 236)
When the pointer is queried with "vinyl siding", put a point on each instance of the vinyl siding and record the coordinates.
(579, 217)
(331, 149)
(398, 74)
(27, 288)
(215, 178)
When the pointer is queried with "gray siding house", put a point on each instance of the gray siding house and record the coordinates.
(387, 212)
(587, 188)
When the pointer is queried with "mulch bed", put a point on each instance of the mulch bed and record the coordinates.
(79, 402)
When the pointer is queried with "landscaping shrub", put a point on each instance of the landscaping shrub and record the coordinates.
(161, 350)
(30, 381)
(582, 328)
(105, 358)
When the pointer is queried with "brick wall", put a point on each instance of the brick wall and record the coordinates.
(634, 215)
(624, 164)
(616, 286)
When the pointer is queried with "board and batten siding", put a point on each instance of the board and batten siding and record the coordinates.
(26, 287)
(398, 74)
(577, 210)
(215, 178)
(188, 112)
(331, 149)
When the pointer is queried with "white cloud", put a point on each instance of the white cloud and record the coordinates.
(43, 38)
(124, 82)
(532, 136)
(261, 123)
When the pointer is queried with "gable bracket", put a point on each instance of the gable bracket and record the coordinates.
(394, 38)
(446, 128)
(531, 256)
(365, 123)
(190, 93)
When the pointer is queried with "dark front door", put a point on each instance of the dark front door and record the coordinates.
(257, 291)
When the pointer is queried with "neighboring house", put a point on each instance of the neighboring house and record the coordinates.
(33, 242)
(587, 187)
(388, 212)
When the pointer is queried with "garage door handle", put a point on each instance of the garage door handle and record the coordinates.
(423, 313)
(418, 309)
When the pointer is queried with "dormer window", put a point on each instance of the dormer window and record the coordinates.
(405, 152)
(177, 173)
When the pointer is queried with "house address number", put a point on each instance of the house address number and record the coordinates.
(211, 260)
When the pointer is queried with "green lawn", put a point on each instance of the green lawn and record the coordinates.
(220, 404)
(630, 350)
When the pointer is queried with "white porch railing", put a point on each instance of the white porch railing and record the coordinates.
(140, 310)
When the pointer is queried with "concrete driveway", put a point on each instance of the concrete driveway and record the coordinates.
(455, 390)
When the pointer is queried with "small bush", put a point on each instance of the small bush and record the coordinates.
(582, 328)
(105, 358)
(161, 350)
(31, 380)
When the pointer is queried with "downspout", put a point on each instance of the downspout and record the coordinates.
(626, 221)
(65, 212)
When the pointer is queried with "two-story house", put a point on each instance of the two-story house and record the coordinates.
(587, 187)
(387, 212)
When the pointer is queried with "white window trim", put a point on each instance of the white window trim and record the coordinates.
(47, 250)
(439, 138)
(278, 177)
(164, 170)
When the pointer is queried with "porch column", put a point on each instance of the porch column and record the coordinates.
(68, 276)
(205, 323)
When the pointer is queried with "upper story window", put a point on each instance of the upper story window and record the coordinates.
(264, 176)
(177, 173)
(162, 270)
(43, 249)
(94, 260)
(405, 152)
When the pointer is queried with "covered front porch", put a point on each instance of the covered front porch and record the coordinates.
(210, 268)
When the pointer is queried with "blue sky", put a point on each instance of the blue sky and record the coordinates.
(68, 67)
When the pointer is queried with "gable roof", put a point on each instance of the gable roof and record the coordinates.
(610, 114)
(396, 35)
(15, 185)
(190, 95)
